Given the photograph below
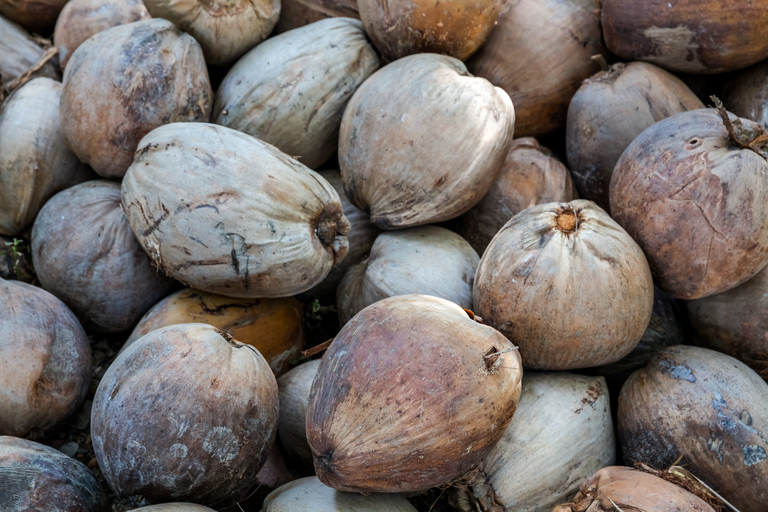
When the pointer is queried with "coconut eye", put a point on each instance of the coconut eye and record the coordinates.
(693, 143)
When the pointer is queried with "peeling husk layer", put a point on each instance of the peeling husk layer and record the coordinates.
(176, 379)
(394, 135)
(293, 390)
(86, 254)
(567, 285)
(705, 36)
(427, 260)
(18, 53)
(707, 407)
(619, 488)
(310, 494)
(297, 13)
(80, 19)
(125, 81)
(746, 95)
(272, 326)
(35, 161)
(530, 175)
(36, 15)
(411, 394)
(45, 360)
(37, 477)
(291, 90)
(561, 434)
(696, 200)
(609, 110)
(242, 219)
(539, 53)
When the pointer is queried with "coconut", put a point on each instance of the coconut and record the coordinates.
(85, 253)
(80, 19)
(693, 194)
(36, 15)
(15, 260)
(539, 53)
(619, 488)
(35, 162)
(297, 13)
(125, 81)
(45, 360)
(293, 389)
(187, 447)
(609, 110)
(428, 26)
(530, 175)
(37, 477)
(427, 260)
(567, 284)
(273, 326)
(746, 95)
(394, 135)
(18, 53)
(225, 30)
(291, 91)
(561, 434)
(174, 507)
(272, 475)
(707, 407)
(310, 494)
(692, 37)
(276, 237)
(411, 394)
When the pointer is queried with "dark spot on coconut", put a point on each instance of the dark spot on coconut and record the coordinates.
(753, 454)
(153, 227)
(679, 371)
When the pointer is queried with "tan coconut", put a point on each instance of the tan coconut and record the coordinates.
(297, 13)
(293, 390)
(310, 494)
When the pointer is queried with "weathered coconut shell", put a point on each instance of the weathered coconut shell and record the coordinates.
(567, 284)
(395, 135)
(702, 36)
(561, 434)
(86, 254)
(45, 360)
(37, 477)
(609, 110)
(278, 236)
(632, 490)
(400, 28)
(175, 507)
(291, 90)
(125, 81)
(18, 53)
(310, 494)
(297, 13)
(15, 260)
(225, 30)
(539, 53)
(696, 203)
(746, 95)
(707, 407)
(293, 389)
(35, 161)
(273, 326)
(530, 175)
(36, 15)
(208, 409)
(80, 19)
(411, 394)
(427, 260)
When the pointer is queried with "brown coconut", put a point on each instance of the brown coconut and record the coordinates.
(273, 326)
(36, 15)
(706, 407)
(297, 13)
(86, 254)
(225, 30)
(310, 494)
(80, 19)
(746, 95)
(567, 284)
(293, 390)
(37, 477)
(696, 200)
(539, 53)
(291, 91)
(530, 175)
(276, 237)
(400, 28)
(187, 446)
(35, 162)
(609, 110)
(703, 36)
(427, 260)
(125, 81)
(411, 394)
(395, 135)
(45, 360)
(620, 488)
(18, 53)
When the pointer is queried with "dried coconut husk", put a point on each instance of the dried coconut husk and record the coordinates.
(310, 494)
(18, 53)
(297, 13)
(681, 477)
(36, 15)
(293, 390)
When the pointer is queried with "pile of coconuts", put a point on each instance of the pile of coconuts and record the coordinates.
(327, 255)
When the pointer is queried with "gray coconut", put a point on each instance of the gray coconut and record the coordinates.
(293, 390)
(85, 253)
(310, 494)
(18, 53)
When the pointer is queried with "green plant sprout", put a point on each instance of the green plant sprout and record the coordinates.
(16, 249)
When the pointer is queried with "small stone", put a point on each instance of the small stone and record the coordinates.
(69, 448)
